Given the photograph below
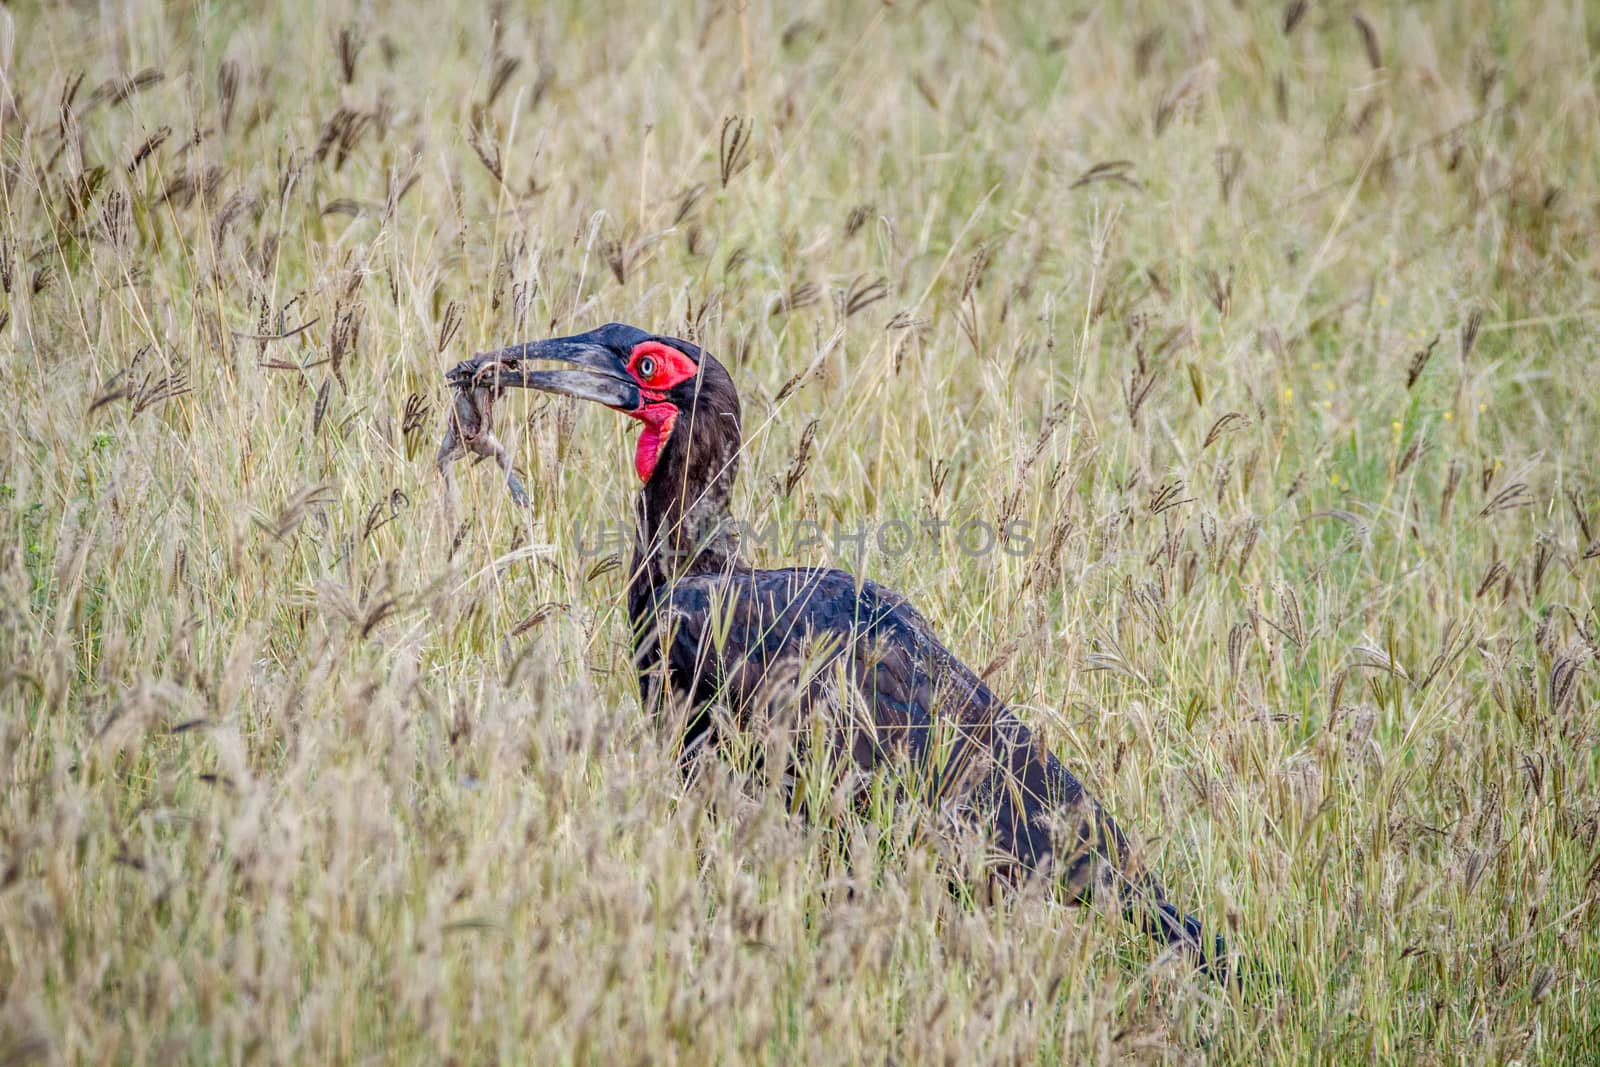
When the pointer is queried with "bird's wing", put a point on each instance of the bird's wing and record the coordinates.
(789, 650)
(816, 643)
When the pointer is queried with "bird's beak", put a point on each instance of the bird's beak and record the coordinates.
(603, 377)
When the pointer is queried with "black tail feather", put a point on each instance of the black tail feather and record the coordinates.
(1171, 927)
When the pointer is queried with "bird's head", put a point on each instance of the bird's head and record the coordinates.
(660, 381)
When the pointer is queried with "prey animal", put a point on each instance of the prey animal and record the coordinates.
(712, 632)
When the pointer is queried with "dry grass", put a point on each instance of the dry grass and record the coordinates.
(1276, 325)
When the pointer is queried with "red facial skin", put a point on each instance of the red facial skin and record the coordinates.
(668, 367)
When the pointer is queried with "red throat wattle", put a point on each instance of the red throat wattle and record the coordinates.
(658, 419)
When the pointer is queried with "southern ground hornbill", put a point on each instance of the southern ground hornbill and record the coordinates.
(710, 630)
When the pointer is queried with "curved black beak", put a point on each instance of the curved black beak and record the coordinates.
(603, 376)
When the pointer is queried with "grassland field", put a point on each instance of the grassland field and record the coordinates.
(1273, 325)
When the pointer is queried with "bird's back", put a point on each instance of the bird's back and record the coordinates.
(809, 642)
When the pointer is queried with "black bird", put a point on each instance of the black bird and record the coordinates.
(710, 630)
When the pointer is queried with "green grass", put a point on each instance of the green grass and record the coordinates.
(295, 766)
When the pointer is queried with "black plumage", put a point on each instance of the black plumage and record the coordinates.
(793, 648)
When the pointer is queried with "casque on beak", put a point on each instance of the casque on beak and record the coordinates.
(603, 376)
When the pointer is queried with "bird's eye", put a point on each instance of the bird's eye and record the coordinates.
(647, 367)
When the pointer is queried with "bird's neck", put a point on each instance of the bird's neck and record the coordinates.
(683, 522)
